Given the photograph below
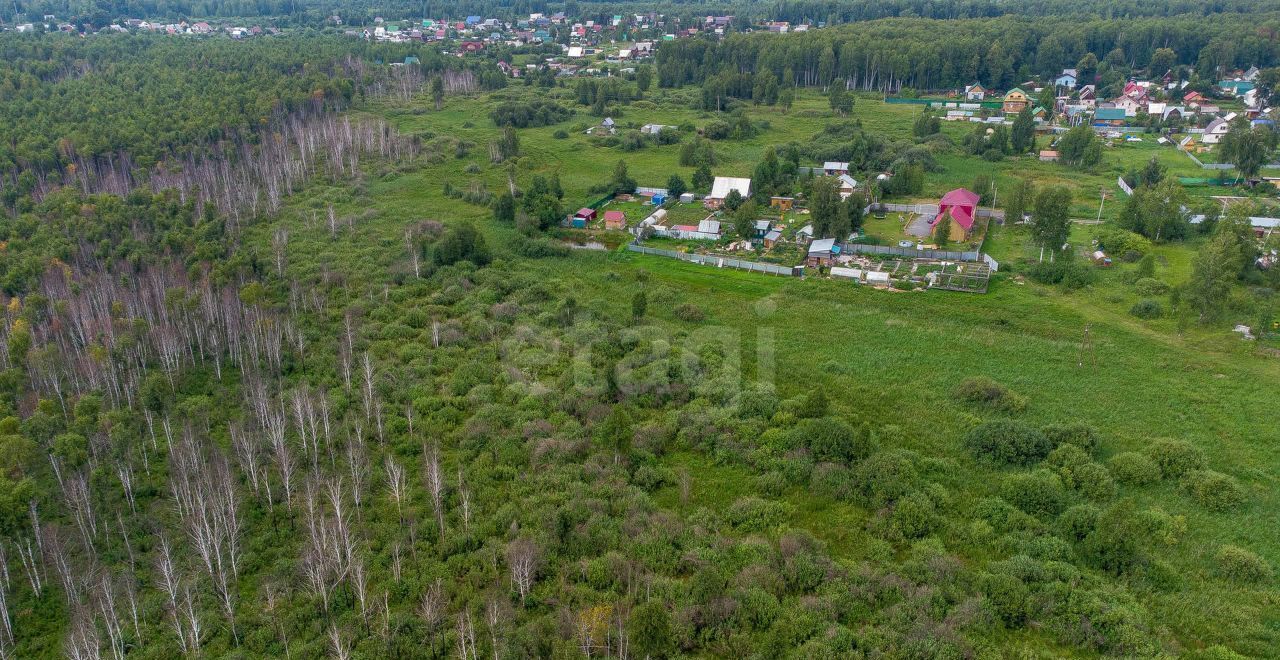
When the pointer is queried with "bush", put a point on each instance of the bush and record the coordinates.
(1213, 490)
(885, 477)
(983, 391)
(1008, 596)
(1038, 493)
(1147, 309)
(1120, 241)
(1080, 435)
(560, 134)
(834, 440)
(1078, 522)
(832, 480)
(1008, 442)
(689, 312)
(752, 514)
(914, 516)
(1150, 286)
(1236, 563)
(1134, 469)
(1094, 482)
(1176, 457)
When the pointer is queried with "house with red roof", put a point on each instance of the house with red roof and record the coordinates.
(962, 207)
(615, 220)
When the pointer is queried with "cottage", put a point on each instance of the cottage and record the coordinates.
(763, 227)
(1015, 101)
(1214, 132)
(1191, 98)
(962, 207)
(805, 232)
(615, 220)
(1109, 117)
(975, 92)
(822, 252)
(707, 230)
(833, 168)
(1067, 79)
(723, 185)
(771, 238)
(782, 203)
(1048, 156)
(847, 186)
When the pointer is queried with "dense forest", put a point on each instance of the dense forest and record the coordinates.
(895, 53)
(209, 117)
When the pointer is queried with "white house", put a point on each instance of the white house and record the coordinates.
(1067, 79)
(1215, 130)
(975, 92)
(723, 185)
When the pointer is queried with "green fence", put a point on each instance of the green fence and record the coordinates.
(1204, 181)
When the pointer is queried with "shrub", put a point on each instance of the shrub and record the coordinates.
(832, 480)
(1038, 493)
(1176, 457)
(1080, 435)
(1134, 469)
(1236, 563)
(832, 439)
(560, 134)
(1094, 482)
(1116, 539)
(1213, 490)
(914, 516)
(1001, 516)
(885, 477)
(689, 312)
(983, 391)
(752, 514)
(1078, 522)
(1008, 596)
(1008, 442)
(1147, 309)
(1120, 241)
(1150, 286)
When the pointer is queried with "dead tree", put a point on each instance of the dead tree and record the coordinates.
(522, 560)
(435, 483)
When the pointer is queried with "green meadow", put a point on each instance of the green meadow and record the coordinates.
(888, 358)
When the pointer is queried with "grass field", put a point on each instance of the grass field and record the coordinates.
(893, 358)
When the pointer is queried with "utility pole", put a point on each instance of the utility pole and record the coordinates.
(1103, 194)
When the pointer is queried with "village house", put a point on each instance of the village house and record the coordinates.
(782, 203)
(721, 188)
(975, 92)
(706, 230)
(1014, 101)
(1048, 156)
(762, 228)
(822, 252)
(961, 206)
(1215, 131)
(771, 239)
(615, 220)
(1109, 117)
(847, 185)
(834, 168)
(1067, 79)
